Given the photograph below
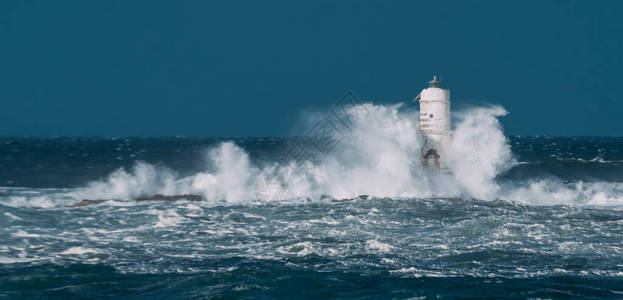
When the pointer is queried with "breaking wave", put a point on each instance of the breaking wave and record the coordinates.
(377, 156)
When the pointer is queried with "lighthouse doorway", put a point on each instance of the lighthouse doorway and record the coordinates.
(431, 154)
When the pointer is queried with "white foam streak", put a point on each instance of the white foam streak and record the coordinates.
(554, 192)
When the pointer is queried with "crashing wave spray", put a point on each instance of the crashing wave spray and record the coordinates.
(378, 156)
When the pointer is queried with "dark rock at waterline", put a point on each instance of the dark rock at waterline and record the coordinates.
(360, 197)
(86, 202)
(157, 197)
(326, 197)
(364, 197)
(160, 197)
(455, 199)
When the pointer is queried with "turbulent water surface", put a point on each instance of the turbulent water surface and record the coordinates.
(525, 217)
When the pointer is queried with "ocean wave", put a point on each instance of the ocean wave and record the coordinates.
(377, 156)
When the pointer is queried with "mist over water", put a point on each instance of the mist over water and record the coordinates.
(536, 216)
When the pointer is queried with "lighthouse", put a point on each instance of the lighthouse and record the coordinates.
(434, 123)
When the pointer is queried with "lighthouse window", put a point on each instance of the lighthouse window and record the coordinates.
(431, 115)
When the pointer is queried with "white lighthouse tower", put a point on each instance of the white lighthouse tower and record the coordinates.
(434, 123)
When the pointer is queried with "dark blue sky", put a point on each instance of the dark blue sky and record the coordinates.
(248, 68)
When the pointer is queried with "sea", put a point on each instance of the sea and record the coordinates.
(353, 217)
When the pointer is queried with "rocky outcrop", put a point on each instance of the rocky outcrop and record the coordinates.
(360, 197)
(157, 197)
(86, 202)
(160, 197)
